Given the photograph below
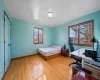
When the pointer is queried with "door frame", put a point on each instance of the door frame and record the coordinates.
(5, 15)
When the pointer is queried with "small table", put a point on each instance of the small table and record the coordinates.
(65, 52)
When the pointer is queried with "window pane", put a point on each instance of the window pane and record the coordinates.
(74, 34)
(86, 33)
(35, 35)
(81, 34)
(40, 36)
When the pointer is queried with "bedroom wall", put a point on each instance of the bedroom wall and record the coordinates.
(2, 8)
(22, 35)
(22, 38)
(61, 32)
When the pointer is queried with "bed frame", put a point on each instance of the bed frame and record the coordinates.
(49, 57)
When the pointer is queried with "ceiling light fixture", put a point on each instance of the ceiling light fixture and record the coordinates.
(50, 14)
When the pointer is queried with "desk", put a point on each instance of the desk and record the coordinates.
(86, 60)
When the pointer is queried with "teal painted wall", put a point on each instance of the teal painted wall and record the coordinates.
(1, 41)
(22, 38)
(22, 35)
(2, 8)
(61, 32)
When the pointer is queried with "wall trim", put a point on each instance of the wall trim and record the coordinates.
(24, 56)
(16, 59)
(6, 71)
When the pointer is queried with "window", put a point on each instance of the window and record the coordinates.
(38, 36)
(80, 34)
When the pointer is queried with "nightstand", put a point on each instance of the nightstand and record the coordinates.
(65, 52)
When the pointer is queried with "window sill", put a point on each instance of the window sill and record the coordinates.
(89, 45)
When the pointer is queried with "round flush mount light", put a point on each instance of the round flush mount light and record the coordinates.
(50, 14)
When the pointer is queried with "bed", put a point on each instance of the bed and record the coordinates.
(49, 52)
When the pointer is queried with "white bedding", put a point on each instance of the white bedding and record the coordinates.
(50, 50)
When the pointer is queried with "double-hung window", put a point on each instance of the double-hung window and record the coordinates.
(38, 35)
(81, 33)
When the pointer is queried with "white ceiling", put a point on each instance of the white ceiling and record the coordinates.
(64, 10)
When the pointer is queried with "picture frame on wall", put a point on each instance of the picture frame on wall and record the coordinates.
(38, 35)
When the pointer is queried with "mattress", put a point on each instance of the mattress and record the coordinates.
(49, 51)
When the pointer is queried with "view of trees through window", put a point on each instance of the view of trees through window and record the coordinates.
(81, 33)
(38, 35)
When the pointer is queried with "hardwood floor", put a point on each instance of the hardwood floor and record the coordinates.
(35, 68)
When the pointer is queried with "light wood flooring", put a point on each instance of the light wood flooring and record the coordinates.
(35, 68)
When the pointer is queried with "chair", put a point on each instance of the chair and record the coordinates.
(78, 59)
(83, 76)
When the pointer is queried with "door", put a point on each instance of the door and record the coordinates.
(7, 42)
